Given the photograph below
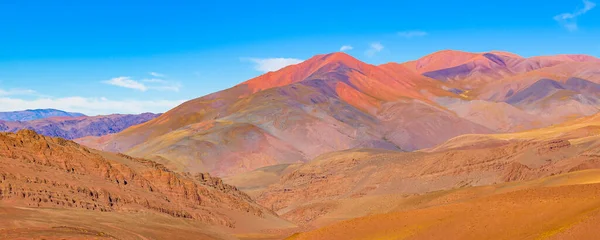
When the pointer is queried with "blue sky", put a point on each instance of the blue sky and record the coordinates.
(100, 57)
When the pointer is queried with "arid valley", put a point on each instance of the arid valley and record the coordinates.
(404, 156)
(209, 121)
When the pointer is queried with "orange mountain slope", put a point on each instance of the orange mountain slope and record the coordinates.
(564, 212)
(50, 177)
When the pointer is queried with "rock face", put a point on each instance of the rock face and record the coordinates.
(39, 171)
(335, 102)
(36, 114)
(78, 127)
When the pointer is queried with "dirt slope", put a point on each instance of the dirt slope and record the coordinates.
(565, 212)
(43, 175)
(329, 188)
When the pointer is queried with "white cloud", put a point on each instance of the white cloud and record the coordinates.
(154, 80)
(412, 34)
(374, 48)
(173, 87)
(89, 106)
(127, 82)
(377, 46)
(155, 74)
(163, 85)
(272, 64)
(12, 100)
(152, 84)
(346, 48)
(569, 20)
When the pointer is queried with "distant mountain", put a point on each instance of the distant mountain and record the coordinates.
(36, 114)
(335, 102)
(327, 103)
(78, 127)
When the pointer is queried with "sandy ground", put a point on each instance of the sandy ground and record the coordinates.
(559, 207)
(47, 223)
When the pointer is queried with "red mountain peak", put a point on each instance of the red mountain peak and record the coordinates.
(299, 72)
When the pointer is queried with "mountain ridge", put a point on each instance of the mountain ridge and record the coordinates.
(80, 126)
(35, 114)
(40, 172)
(390, 106)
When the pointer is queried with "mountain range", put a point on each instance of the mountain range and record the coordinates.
(454, 145)
(72, 127)
(546, 178)
(35, 114)
(335, 102)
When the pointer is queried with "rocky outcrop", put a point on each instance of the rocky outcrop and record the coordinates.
(515, 172)
(40, 171)
(553, 146)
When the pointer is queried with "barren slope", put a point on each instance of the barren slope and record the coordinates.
(41, 175)
(328, 188)
(328, 103)
(564, 212)
(335, 102)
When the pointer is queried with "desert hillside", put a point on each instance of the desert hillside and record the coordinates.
(335, 102)
(558, 212)
(52, 178)
(359, 182)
